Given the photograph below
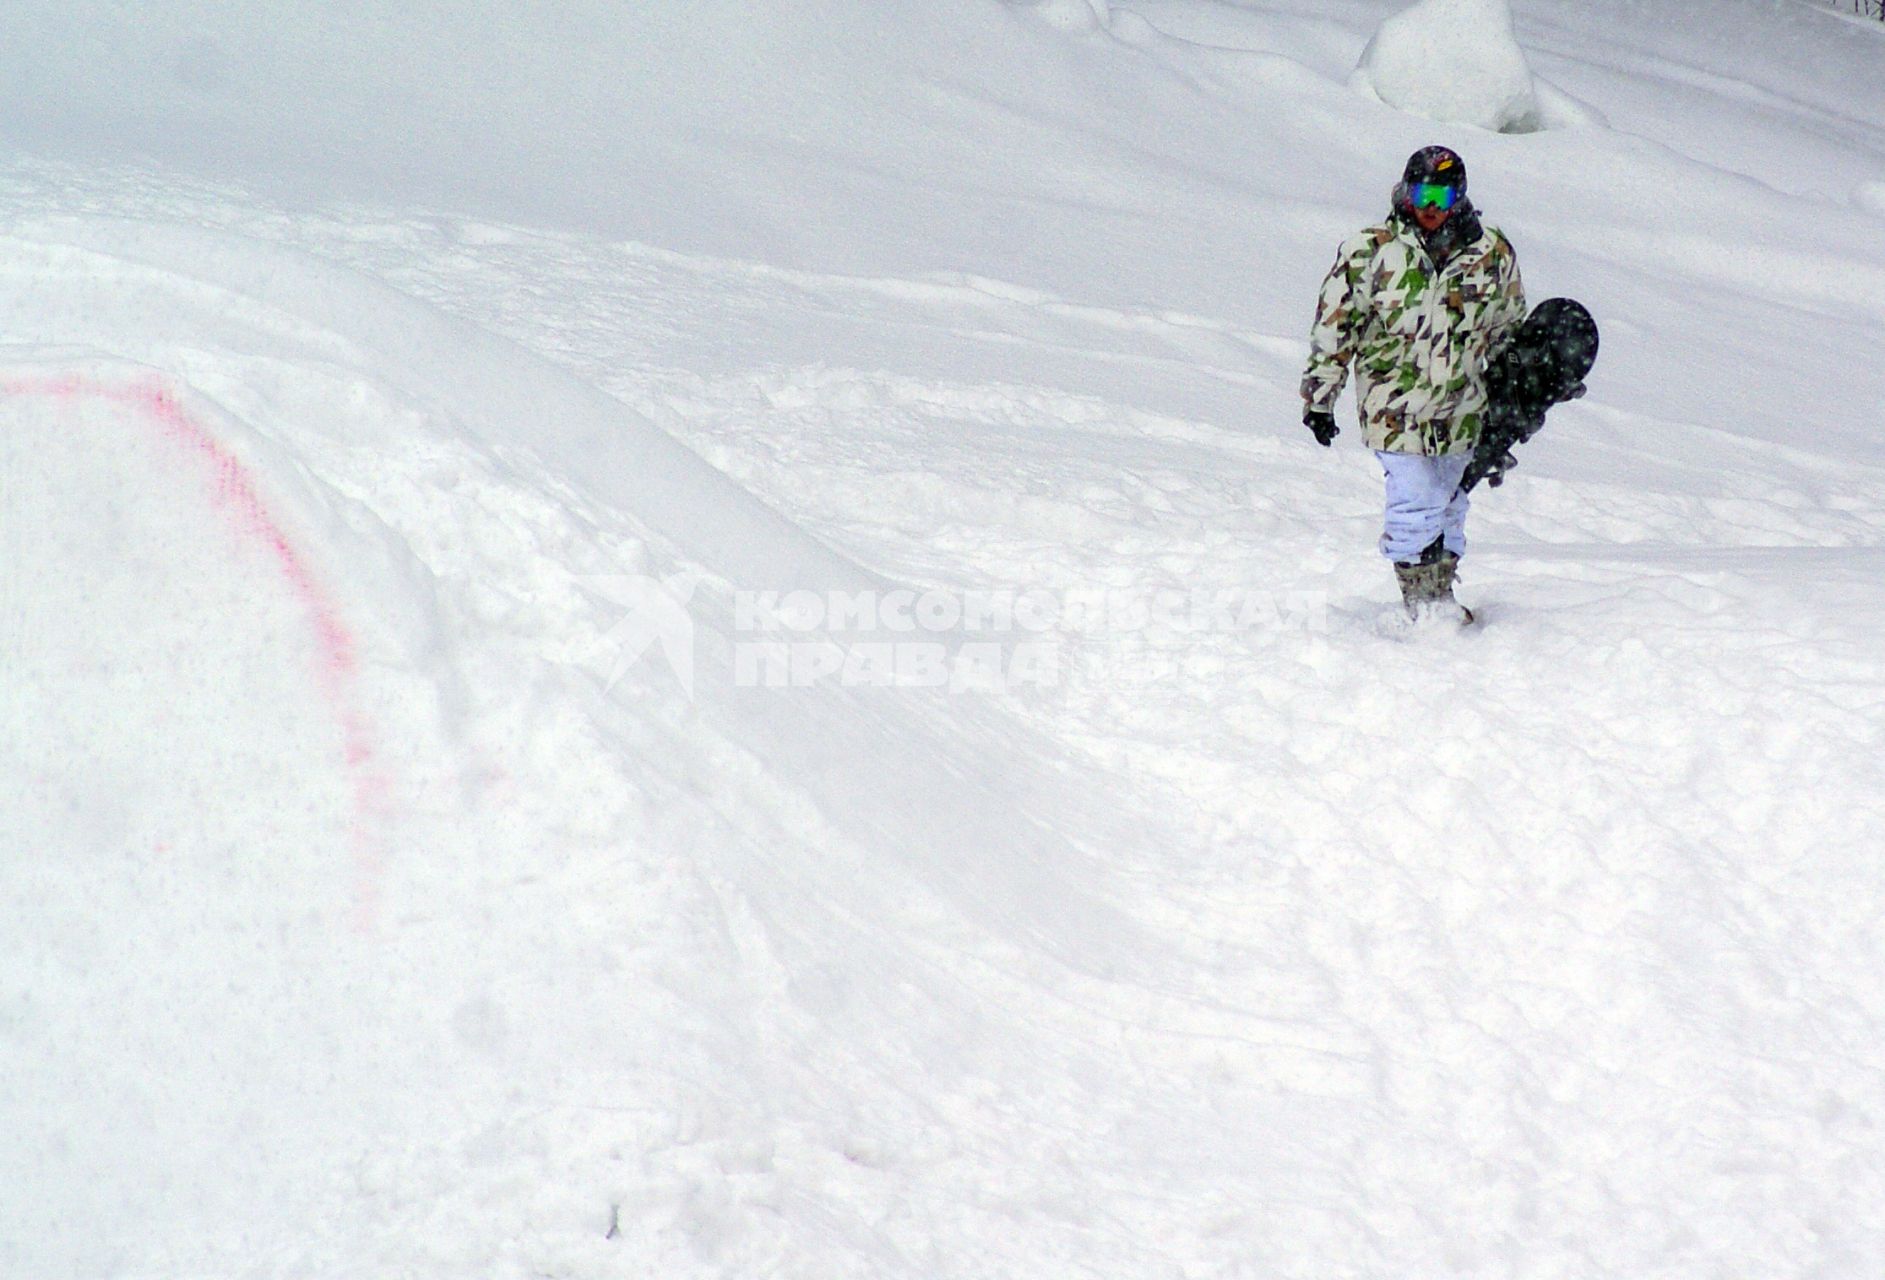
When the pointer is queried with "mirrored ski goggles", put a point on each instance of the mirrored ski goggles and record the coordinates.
(1433, 195)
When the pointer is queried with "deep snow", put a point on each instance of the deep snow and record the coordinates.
(369, 911)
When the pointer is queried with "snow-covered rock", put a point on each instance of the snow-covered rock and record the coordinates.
(1456, 61)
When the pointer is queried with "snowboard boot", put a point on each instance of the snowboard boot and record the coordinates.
(1427, 586)
(1444, 573)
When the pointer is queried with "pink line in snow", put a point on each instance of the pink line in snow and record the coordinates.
(338, 665)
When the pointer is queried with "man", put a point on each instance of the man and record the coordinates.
(1417, 304)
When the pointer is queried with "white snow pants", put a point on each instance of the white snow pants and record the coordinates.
(1423, 503)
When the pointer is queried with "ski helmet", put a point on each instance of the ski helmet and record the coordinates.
(1430, 168)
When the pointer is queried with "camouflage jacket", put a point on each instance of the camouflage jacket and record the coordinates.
(1418, 336)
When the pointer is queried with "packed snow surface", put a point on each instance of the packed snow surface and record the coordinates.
(698, 639)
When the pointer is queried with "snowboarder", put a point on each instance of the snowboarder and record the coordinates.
(1417, 304)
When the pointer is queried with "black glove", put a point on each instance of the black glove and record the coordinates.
(1321, 424)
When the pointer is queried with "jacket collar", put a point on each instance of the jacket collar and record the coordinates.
(1458, 232)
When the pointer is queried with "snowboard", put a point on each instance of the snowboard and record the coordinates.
(1544, 364)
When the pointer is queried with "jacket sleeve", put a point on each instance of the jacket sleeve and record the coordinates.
(1508, 308)
(1341, 311)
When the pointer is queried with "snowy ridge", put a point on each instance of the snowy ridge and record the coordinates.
(379, 900)
(587, 449)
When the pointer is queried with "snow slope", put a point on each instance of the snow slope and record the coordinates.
(379, 901)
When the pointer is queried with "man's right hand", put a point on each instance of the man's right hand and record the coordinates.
(1321, 424)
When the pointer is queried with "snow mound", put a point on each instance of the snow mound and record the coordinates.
(310, 589)
(1070, 15)
(1455, 61)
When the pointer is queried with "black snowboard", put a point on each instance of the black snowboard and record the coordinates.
(1544, 364)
